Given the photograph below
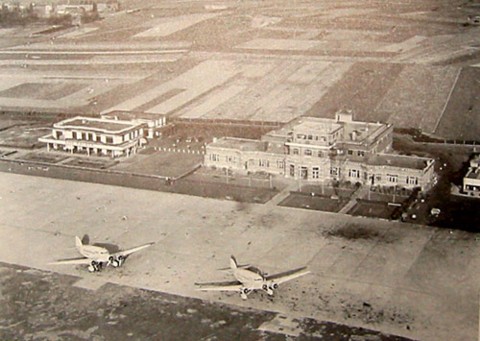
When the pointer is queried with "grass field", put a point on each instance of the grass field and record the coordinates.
(405, 63)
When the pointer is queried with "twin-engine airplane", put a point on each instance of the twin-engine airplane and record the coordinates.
(250, 278)
(96, 257)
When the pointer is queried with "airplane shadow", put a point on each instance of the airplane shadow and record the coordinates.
(112, 248)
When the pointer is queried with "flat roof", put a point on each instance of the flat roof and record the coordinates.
(130, 115)
(400, 161)
(241, 144)
(361, 130)
(96, 124)
(317, 125)
(473, 173)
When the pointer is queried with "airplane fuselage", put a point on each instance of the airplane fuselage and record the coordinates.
(252, 280)
(96, 253)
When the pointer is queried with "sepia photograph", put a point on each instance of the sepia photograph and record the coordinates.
(216, 170)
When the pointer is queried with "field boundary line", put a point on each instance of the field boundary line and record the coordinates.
(447, 100)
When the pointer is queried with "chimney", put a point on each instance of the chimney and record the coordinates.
(353, 135)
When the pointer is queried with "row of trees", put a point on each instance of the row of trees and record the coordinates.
(20, 16)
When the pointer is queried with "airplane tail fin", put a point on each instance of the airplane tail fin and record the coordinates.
(233, 263)
(78, 243)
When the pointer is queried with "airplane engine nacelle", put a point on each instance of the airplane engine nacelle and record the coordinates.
(273, 286)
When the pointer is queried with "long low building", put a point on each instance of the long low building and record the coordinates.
(317, 149)
(98, 136)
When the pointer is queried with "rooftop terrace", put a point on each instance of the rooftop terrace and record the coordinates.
(96, 124)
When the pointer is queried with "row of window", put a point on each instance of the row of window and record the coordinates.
(334, 171)
(356, 152)
(261, 162)
(308, 152)
(86, 136)
(311, 137)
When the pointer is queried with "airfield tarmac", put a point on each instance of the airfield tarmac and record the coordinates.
(412, 281)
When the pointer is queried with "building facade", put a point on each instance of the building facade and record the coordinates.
(471, 181)
(95, 136)
(245, 155)
(317, 149)
(151, 123)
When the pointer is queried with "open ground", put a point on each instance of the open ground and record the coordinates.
(413, 281)
(414, 64)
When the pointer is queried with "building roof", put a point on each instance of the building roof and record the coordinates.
(132, 115)
(240, 144)
(317, 125)
(473, 173)
(96, 124)
(400, 161)
(355, 132)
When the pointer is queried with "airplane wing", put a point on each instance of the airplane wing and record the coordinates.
(219, 286)
(72, 261)
(125, 253)
(288, 275)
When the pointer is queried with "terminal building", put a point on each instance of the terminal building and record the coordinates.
(317, 149)
(116, 133)
(96, 136)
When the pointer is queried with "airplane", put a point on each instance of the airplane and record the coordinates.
(249, 278)
(96, 256)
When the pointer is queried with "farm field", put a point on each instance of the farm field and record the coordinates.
(405, 63)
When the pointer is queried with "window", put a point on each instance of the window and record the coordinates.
(392, 178)
(354, 173)
(350, 152)
(361, 153)
(301, 136)
(412, 180)
(320, 153)
(304, 172)
(280, 164)
(310, 137)
(334, 171)
(308, 152)
(263, 163)
(215, 157)
(109, 139)
(292, 171)
(295, 151)
(230, 159)
(315, 172)
(74, 135)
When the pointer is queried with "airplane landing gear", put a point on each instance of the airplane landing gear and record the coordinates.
(116, 262)
(94, 266)
(244, 292)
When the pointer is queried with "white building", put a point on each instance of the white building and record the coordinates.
(152, 123)
(471, 181)
(97, 136)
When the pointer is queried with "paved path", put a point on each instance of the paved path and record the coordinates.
(408, 280)
(361, 192)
